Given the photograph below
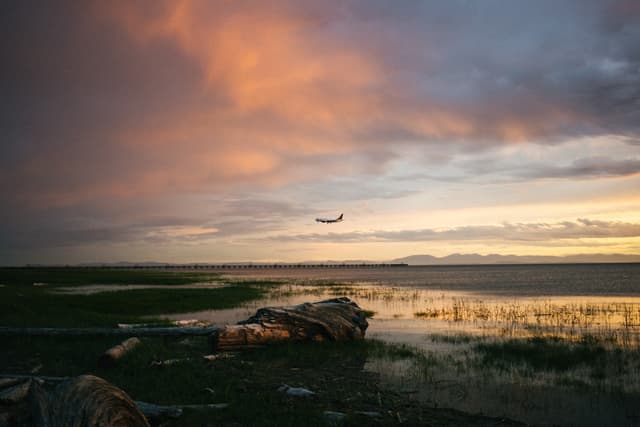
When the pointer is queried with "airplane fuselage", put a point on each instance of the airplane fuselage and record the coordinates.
(330, 220)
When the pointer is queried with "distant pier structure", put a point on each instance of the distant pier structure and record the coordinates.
(228, 266)
(258, 266)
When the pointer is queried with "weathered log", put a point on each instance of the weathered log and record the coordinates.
(82, 401)
(16, 393)
(9, 382)
(85, 401)
(337, 319)
(19, 377)
(181, 323)
(115, 353)
(158, 412)
(171, 331)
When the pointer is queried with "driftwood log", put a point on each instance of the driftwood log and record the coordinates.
(337, 319)
(78, 401)
(115, 353)
(82, 402)
(15, 391)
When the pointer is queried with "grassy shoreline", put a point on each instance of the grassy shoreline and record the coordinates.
(352, 378)
(28, 297)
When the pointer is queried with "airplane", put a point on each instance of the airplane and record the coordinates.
(330, 220)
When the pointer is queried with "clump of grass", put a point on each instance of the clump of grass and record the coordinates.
(460, 338)
(427, 313)
(384, 350)
(369, 313)
(541, 353)
(614, 322)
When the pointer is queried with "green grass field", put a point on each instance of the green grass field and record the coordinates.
(23, 304)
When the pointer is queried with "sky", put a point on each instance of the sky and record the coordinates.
(214, 131)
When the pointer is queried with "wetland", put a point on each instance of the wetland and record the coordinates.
(542, 345)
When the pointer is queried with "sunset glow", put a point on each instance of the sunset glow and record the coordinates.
(199, 131)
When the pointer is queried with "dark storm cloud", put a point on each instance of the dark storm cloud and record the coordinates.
(152, 223)
(498, 170)
(592, 167)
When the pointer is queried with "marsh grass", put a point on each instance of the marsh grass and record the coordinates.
(22, 304)
(615, 323)
(542, 354)
(459, 338)
(526, 352)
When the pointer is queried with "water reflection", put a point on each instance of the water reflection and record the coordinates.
(447, 325)
(411, 314)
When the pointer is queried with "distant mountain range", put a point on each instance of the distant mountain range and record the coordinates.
(459, 259)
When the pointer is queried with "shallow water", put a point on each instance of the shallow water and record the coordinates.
(489, 303)
(411, 315)
(505, 280)
(94, 289)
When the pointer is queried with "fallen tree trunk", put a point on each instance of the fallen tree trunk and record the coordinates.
(15, 393)
(337, 319)
(182, 323)
(115, 353)
(171, 331)
(80, 402)
(158, 412)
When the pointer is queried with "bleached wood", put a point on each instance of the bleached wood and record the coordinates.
(115, 353)
(85, 401)
(16, 393)
(337, 319)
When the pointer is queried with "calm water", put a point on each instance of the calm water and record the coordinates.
(462, 299)
(414, 304)
(505, 280)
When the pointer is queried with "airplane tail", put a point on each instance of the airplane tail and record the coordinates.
(340, 217)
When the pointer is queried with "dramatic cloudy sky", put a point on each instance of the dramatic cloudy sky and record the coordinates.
(187, 130)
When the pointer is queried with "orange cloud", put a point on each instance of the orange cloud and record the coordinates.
(261, 56)
(284, 93)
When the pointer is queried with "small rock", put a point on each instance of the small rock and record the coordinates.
(334, 418)
(189, 342)
(296, 391)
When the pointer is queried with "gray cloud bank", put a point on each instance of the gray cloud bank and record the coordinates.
(527, 232)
